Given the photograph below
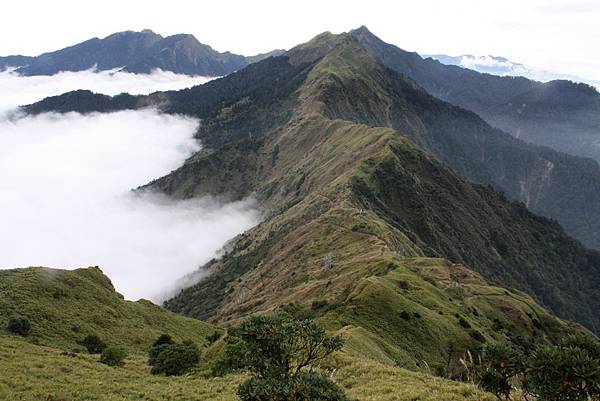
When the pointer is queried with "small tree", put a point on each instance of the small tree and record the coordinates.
(174, 359)
(113, 356)
(280, 346)
(93, 344)
(501, 363)
(281, 352)
(19, 325)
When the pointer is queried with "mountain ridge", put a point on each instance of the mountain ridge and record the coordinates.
(336, 88)
(555, 185)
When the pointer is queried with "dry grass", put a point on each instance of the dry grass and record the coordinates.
(33, 373)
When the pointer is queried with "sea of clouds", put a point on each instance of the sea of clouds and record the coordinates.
(66, 180)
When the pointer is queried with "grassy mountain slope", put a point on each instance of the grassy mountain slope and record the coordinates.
(31, 372)
(316, 162)
(283, 261)
(560, 114)
(64, 306)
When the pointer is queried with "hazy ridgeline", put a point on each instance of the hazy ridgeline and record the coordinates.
(66, 185)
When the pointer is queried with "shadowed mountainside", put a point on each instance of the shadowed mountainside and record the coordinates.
(560, 114)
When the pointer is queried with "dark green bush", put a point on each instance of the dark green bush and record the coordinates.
(569, 371)
(163, 339)
(93, 344)
(174, 359)
(232, 359)
(501, 363)
(584, 342)
(157, 346)
(556, 373)
(213, 337)
(464, 323)
(113, 356)
(311, 386)
(477, 336)
(19, 325)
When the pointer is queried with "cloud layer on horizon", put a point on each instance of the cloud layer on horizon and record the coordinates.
(67, 202)
(504, 67)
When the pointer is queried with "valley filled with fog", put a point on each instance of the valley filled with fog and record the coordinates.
(66, 185)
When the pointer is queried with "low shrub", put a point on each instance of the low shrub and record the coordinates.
(93, 344)
(311, 386)
(174, 359)
(19, 325)
(113, 356)
(213, 337)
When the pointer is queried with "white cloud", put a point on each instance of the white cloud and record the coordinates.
(66, 202)
(503, 67)
(18, 90)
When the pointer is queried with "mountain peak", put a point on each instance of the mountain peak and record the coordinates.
(129, 33)
(315, 48)
(361, 30)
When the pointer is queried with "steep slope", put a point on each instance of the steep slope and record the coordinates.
(64, 306)
(560, 114)
(138, 52)
(550, 183)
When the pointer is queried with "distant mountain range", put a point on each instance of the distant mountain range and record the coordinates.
(504, 67)
(137, 52)
(560, 114)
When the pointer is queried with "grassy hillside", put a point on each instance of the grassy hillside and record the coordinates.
(32, 373)
(65, 306)
(397, 306)
(424, 313)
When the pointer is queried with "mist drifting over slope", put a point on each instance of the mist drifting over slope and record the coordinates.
(18, 90)
(66, 180)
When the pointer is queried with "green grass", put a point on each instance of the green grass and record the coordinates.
(411, 315)
(31, 373)
(65, 306)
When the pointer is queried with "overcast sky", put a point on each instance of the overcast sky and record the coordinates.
(558, 35)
